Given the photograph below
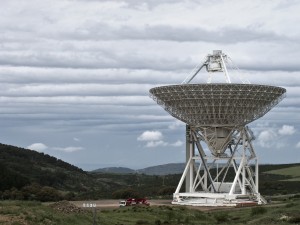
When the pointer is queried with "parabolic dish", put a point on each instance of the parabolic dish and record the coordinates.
(217, 104)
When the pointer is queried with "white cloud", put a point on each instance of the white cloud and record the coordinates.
(150, 136)
(281, 144)
(40, 147)
(152, 144)
(176, 124)
(76, 139)
(266, 138)
(177, 143)
(298, 145)
(287, 130)
(68, 149)
(272, 136)
(155, 139)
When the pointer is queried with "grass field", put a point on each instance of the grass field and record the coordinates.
(35, 213)
(293, 172)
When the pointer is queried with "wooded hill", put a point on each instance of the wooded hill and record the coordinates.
(30, 175)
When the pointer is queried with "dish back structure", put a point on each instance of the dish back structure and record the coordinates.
(216, 115)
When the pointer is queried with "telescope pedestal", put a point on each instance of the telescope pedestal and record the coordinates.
(226, 179)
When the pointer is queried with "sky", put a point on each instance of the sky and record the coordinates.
(75, 74)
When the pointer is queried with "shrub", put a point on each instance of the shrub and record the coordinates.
(258, 211)
(187, 220)
(221, 217)
(125, 193)
(157, 222)
(142, 222)
(17, 223)
(48, 194)
(170, 215)
(200, 215)
(295, 219)
(166, 191)
(289, 205)
(297, 196)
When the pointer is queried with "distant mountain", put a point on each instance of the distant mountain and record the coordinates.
(121, 170)
(171, 168)
(175, 168)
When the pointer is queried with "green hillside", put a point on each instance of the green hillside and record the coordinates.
(30, 175)
(293, 172)
(28, 166)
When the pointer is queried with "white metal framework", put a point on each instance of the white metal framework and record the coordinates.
(215, 62)
(226, 179)
(216, 115)
(217, 104)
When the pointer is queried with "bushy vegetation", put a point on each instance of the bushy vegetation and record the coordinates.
(258, 210)
(34, 213)
(126, 193)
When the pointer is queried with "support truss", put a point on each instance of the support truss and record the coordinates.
(220, 178)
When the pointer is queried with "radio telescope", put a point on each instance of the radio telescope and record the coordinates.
(221, 163)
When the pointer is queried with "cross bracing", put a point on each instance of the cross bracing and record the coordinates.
(209, 175)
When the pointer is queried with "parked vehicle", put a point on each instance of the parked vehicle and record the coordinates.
(134, 201)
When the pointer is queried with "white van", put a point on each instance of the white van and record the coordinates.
(122, 203)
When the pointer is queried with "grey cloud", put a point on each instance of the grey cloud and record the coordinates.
(88, 60)
(149, 4)
(156, 56)
(286, 79)
(84, 68)
(276, 66)
(29, 75)
(41, 90)
(224, 35)
(85, 100)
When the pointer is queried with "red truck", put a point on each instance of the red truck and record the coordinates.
(134, 201)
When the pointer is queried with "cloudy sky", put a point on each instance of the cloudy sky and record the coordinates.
(75, 74)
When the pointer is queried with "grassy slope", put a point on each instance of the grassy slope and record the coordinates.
(33, 213)
(293, 172)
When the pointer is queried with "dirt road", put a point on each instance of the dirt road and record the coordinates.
(114, 203)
